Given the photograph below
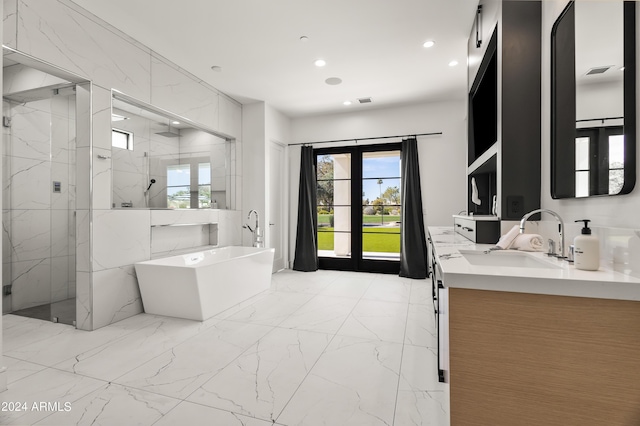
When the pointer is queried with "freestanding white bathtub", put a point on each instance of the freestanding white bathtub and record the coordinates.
(202, 284)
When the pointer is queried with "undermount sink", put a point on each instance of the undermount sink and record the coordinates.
(512, 259)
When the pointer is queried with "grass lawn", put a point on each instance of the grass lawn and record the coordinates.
(372, 218)
(379, 240)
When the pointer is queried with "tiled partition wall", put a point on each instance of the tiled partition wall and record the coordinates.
(110, 241)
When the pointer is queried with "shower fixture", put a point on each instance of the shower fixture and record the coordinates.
(168, 133)
(151, 182)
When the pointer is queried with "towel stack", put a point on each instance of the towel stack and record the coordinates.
(514, 240)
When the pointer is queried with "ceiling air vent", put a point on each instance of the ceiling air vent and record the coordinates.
(364, 100)
(598, 70)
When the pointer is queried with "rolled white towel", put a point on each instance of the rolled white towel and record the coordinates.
(507, 239)
(528, 242)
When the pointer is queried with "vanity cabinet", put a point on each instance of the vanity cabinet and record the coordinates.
(504, 117)
(537, 359)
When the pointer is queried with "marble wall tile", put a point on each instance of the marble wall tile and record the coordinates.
(172, 217)
(66, 38)
(7, 246)
(120, 237)
(179, 93)
(59, 173)
(60, 240)
(230, 114)
(101, 179)
(84, 301)
(128, 188)
(30, 234)
(18, 77)
(31, 283)
(168, 239)
(31, 131)
(30, 183)
(116, 295)
(10, 22)
(230, 228)
(60, 278)
(101, 108)
(83, 232)
(83, 178)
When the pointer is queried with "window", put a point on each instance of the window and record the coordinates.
(599, 161)
(122, 139)
(185, 193)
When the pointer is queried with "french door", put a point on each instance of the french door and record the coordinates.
(359, 207)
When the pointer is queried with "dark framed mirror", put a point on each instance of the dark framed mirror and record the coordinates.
(593, 102)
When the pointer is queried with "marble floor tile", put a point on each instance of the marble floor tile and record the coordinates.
(293, 282)
(348, 286)
(20, 331)
(114, 405)
(262, 380)
(324, 314)
(181, 370)
(419, 369)
(326, 348)
(422, 408)
(18, 369)
(372, 319)
(188, 413)
(120, 356)
(421, 292)
(46, 386)
(353, 383)
(388, 291)
(421, 326)
(55, 349)
(271, 309)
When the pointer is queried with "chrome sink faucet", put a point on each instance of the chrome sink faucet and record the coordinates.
(560, 226)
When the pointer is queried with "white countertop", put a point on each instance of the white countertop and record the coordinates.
(563, 280)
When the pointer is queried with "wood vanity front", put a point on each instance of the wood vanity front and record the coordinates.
(538, 359)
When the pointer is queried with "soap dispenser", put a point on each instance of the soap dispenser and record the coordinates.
(587, 249)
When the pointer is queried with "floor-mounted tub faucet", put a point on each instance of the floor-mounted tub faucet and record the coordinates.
(255, 232)
(560, 226)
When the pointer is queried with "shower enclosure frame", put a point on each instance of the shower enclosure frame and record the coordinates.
(84, 179)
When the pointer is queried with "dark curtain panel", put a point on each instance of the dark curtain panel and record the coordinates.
(306, 256)
(413, 247)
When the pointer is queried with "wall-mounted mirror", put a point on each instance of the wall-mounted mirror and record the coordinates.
(161, 160)
(593, 104)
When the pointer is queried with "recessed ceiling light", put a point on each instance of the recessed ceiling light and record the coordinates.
(216, 68)
(320, 62)
(175, 122)
(347, 102)
(429, 43)
(333, 81)
(453, 63)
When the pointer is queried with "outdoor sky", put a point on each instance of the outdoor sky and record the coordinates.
(380, 167)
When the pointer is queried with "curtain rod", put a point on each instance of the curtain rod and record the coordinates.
(356, 140)
(599, 119)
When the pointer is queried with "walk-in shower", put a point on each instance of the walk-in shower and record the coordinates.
(39, 195)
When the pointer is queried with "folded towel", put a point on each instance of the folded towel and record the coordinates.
(475, 199)
(507, 239)
(528, 242)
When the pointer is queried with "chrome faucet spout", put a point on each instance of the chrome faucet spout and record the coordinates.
(552, 213)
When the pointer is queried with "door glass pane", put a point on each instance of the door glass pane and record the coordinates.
(381, 205)
(333, 192)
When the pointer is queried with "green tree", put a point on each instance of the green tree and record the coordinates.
(392, 194)
(324, 178)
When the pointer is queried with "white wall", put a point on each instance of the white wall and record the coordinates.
(442, 158)
(619, 211)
